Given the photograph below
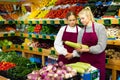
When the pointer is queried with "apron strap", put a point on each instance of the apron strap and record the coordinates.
(92, 28)
(65, 28)
(76, 28)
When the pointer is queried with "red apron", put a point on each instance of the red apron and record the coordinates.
(96, 60)
(69, 36)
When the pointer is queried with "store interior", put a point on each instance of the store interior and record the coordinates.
(28, 29)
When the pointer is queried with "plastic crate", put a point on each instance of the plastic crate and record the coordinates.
(51, 60)
(35, 59)
(93, 75)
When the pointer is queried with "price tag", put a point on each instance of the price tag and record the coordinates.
(44, 22)
(52, 22)
(52, 38)
(30, 48)
(5, 35)
(61, 22)
(107, 22)
(30, 22)
(16, 46)
(37, 22)
(1, 22)
(21, 34)
(22, 22)
(0, 47)
(37, 36)
(39, 49)
(52, 52)
(22, 47)
(12, 34)
(8, 47)
(30, 35)
(119, 21)
(16, 22)
(43, 36)
(10, 22)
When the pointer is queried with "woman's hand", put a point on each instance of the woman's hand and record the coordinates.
(82, 50)
(69, 56)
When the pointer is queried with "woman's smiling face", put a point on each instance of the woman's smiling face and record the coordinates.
(84, 19)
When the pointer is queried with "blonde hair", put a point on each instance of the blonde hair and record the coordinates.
(87, 11)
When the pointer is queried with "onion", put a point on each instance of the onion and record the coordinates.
(69, 69)
(64, 67)
(67, 75)
(32, 76)
(50, 74)
(64, 71)
(47, 78)
(49, 67)
(54, 69)
(56, 64)
(59, 72)
(60, 63)
(55, 75)
(44, 75)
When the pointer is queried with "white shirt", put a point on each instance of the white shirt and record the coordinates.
(58, 43)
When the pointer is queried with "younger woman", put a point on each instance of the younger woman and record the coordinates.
(67, 33)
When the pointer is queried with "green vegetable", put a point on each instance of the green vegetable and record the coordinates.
(78, 69)
(81, 67)
(73, 44)
(76, 45)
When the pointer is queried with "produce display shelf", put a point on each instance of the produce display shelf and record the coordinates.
(113, 42)
(110, 42)
(28, 50)
(114, 65)
(3, 78)
(106, 21)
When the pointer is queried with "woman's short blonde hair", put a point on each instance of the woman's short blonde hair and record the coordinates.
(87, 11)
